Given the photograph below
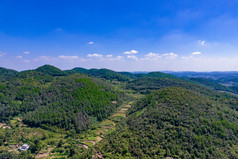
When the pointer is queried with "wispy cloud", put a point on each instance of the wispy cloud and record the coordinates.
(196, 53)
(119, 57)
(202, 43)
(91, 42)
(170, 55)
(68, 57)
(149, 62)
(152, 55)
(131, 52)
(133, 57)
(109, 56)
(94, 55)
(26, 61)
(26, 52)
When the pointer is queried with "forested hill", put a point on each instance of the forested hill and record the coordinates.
(169, 117)
(49, 99)
(150, 74)
(6, 74)
(176, 122)
(100, 73)
(50, 70)
(146, 85)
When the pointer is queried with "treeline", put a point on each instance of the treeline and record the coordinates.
(100, 73)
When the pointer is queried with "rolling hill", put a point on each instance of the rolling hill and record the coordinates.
(175, 122)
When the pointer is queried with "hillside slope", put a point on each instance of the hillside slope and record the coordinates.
(53, 102)
(6, 74)
(175, 122)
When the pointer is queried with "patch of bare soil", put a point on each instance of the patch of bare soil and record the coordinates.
(14, 148)
(97, 155)
(45, 154)
(127, 106)
(83, 145)
(114, 102)
(4, 126)
(20, 122)
(98, 139)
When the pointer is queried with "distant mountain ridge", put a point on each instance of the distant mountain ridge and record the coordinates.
(225, 81)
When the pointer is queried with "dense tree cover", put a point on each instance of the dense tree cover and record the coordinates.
(210, 83)
(175, 122)
(100, 73)
(129, 75)
(229, 78)
(66, 102)
(13, 155)
(50, 70)
(147, 74)
(72, 102)
(22, 93)
(158, 75)
(146, 85)
(178, 118)
(216, 85)
(6, 74)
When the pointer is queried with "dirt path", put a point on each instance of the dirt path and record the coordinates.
(93, 142)
(122, 113)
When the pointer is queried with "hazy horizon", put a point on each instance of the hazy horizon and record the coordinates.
(121, 35)
(164, 71)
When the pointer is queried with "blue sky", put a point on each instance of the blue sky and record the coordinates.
(135, 35)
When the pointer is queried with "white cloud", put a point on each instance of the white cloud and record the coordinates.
(170, 55)
(68, 57)
(91, 42)
(196, 53)
(131, 52)
(94, 55)
(26, 52)
(119, 57)
(202, 43)
(153, 55)
(19, 57)
(109, 56)
(133, 57)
